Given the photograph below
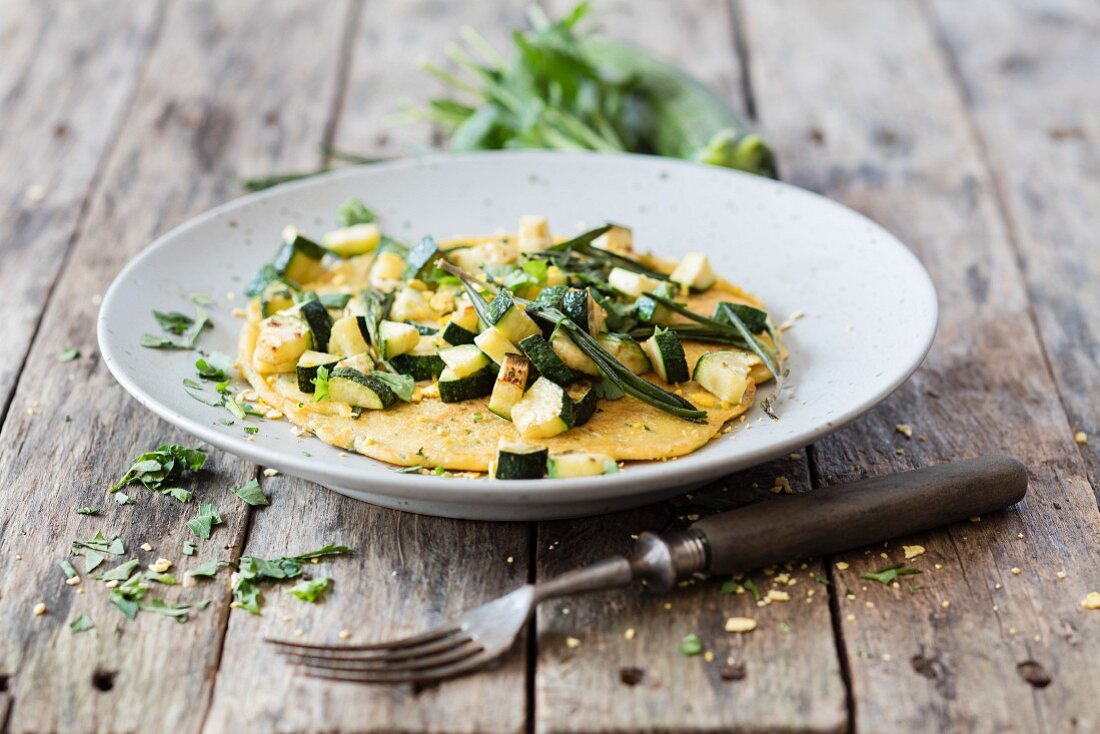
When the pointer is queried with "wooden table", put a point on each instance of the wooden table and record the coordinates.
(969, 129)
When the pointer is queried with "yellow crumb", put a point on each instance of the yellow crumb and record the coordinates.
(912, 551)
(904, 429)
(1081, 437)
(740, 624)
(1092, 601)
(572, 642)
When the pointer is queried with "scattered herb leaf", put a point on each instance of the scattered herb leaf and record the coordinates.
(251, 493)
(214, 366)
(68, 355)
(201, 299)
(121, 572)
(92, 560)
(87, 511)
(312, 590)
(251, 570)
(207, 569)
(70, 572)
(167, 462)
(208, 517)
(188, 548)
(751, 588)
(320, 384)
(402, 385)
(352, 212)
(889, 574)
(691, 645)
(83, 623)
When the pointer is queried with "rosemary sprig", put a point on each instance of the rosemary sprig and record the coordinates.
(582, 245)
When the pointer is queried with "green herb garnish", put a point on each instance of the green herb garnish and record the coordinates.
(691, 645)
(401, 385)
(68, 355)
(204, 524)
(120, 572)
(83, 623)
(251, 493)
(252, 570)
(312, 590)
(87, 511)
(188, 329)
(70, 572)
(207, 569)
(889, 574)
(214, 366)
(168, 462)
(352, 212)
(188, 548)
(320, 384)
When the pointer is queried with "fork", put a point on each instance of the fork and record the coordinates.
(828, 520)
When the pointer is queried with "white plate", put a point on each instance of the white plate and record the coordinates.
(870, 308)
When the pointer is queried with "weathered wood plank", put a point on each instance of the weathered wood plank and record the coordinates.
(783, 676)
(200, 116)
(887, 133)
(1030, 74)
(412, 572)
(68, 73)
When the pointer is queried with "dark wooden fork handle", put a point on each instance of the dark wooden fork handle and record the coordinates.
(846, 516)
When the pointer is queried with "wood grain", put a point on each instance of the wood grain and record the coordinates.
(785, 675)
(412, 572)
(199, 117)
(1029, 72)
(888, 134)
(67, 76)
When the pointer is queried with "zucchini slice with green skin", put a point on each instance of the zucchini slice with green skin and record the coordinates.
(666, 355)
(349, 385)
(569, 353)
(423, 329)
(551, 296)
(346, 337)
(545, 410)
(307, 367)
(495, 344)
(334, 301)
(754, 319)
(583, 395)
(546, 361)
(396, 338)
(724, 374)
(358, 239)
(630, 283)
(580, 464)
(421, 363)
(626, 350)
(320, 323)
(464, 360)
(421, 257)
(299, 259)
(510, 319)
(574, 304)
(455, 389)
(456, 335)
(283, 338)
(520, 461)
(277, 296)
(510, 384)
(694, 271)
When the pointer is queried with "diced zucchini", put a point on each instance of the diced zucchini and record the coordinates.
(387, 269)
(465, 316)
(694, 271)
(299, 259)
(574, 304)
(422, 362)
(666, 355)
(358, 239)
(580, 464)
(494, 343)
(534, 233)
(455, 389)
(510, 319)
(569, 353)
(410, 305)
(349, 385)
(754, 319)
(619, 240)
(320, 323)
(396, 338)
(283, 338)
(520, 461)
(421, 257)
(423, 329)
(583, 395)
(456, 335)
(544, 411)
(630, 283)
(277, 296)
(334, 301)
(627, 351)
(552, 296)
(652, 311)
(346, 337)
(307, 368)
(359, 362)
(464, 360)
(546, 360)
(510, 384)
(725, 374)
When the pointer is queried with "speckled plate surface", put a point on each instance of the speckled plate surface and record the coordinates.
(870, 307)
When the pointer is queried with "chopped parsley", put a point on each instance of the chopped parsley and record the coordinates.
(320, 384)
(251, 493)
(98, 542)
(155, 469)
(251, 430)
(186, 328)
(201, 299)
(87, 511)
(214, 366)
(402, 385)
(751, 588)
(208, 517)
(730, 587)
(188, 548)
(207, 569)
(92, 560)
(83, 623)
(70, 572)
(889, 574)
(312, 590)
(252, 570)
(68, 355)
(120, 572)
(352, 212)
(691, 645)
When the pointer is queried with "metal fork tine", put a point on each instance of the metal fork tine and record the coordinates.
(421, 676)
(336, 654)
(410, 665)
(391, 644)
